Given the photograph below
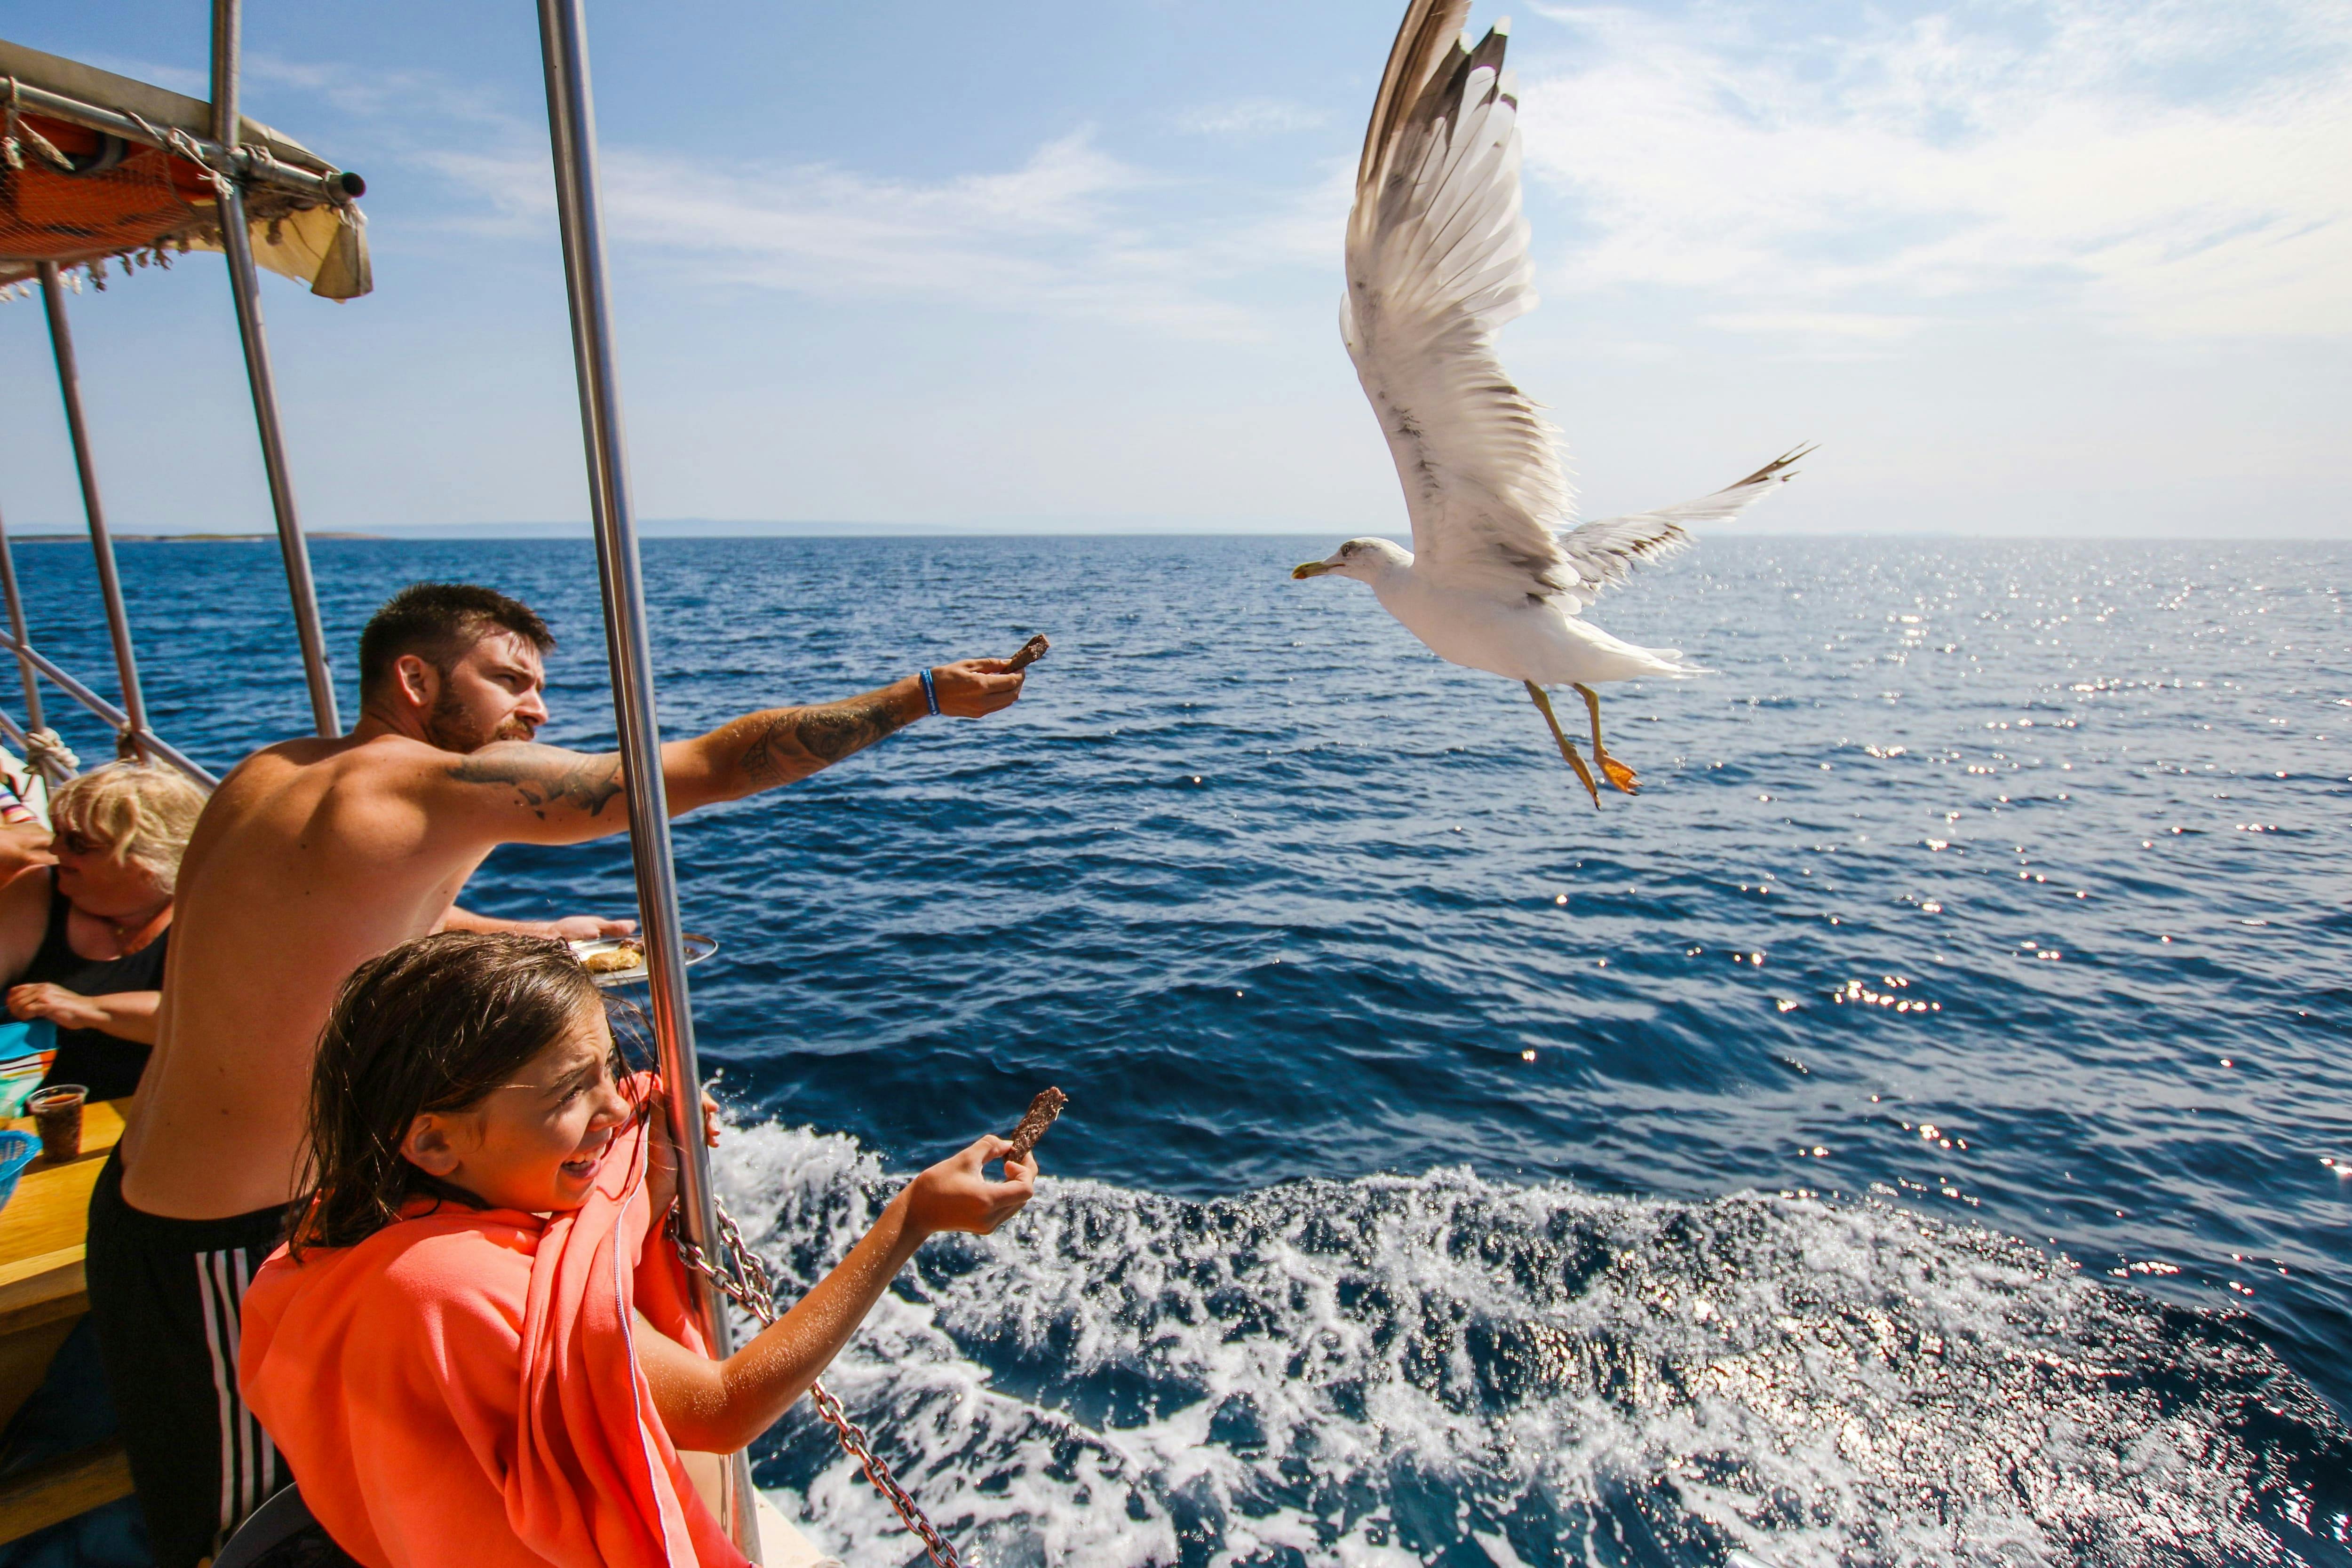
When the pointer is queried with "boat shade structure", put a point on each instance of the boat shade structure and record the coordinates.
(572, 130)
(97, 168)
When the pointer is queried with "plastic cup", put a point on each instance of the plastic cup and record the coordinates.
(57, 1114)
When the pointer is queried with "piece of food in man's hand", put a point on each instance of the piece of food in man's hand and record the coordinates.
(615, 960)
(1042, 1112)
(1031, 652)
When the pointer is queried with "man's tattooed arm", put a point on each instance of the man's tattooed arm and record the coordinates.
(544, 778)
(786, 744)
(572, 793)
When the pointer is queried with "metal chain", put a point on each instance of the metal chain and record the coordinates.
(746, 1282)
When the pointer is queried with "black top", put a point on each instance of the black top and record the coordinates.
(108, 1066)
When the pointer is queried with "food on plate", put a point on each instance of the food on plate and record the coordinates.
(614, 960)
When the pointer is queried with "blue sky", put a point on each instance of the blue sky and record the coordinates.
(2020, 267)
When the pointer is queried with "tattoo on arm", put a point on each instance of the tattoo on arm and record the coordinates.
(792, 743)
(544, 779)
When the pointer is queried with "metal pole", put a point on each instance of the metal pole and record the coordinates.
(101, 544)
(244, 284)
(33, 720)
(571, 119)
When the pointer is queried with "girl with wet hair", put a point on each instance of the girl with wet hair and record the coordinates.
(476, 1344)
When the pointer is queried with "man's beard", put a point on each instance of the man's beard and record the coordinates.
(452, 728)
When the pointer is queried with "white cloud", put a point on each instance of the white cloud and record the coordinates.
(1071, 232)
(1851, 326)
(412, 100)
(2172, 169)
(1060, 235)
(1251, 117)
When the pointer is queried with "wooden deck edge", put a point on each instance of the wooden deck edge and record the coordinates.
(30, 1277)
(51, 1493)
(54, 1292)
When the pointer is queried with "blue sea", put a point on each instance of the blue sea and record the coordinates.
(1916, 1129)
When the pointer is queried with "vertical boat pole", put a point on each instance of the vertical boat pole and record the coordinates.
(133, 740)
(32, 719)
(244, 284)
(570, 120)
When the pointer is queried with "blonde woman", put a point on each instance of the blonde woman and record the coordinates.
(82, 943)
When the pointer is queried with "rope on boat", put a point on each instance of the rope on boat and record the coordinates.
(45, 752)
(16, 135)
(745, 1281)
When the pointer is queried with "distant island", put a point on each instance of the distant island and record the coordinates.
(718, 528)
(179, 539)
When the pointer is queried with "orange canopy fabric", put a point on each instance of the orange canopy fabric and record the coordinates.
(461, 1388)
(119, 198)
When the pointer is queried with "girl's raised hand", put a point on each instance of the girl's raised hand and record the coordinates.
(954, 1195)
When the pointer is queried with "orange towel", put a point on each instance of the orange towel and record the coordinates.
(461, 1388)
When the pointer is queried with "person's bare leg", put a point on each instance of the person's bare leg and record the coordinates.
(1567, 747)
(1619, 774)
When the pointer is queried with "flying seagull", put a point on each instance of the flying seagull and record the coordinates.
(1437, 259)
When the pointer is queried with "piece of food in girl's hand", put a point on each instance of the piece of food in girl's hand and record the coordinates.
(1043, 1110)
(1031, 652)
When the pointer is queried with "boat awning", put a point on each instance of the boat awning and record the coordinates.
(96, 167)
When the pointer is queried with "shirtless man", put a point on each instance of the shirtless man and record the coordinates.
(311, 856)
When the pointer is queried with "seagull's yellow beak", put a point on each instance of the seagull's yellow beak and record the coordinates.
(1310, 569)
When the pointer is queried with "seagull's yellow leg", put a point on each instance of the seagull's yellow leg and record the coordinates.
(1619, 774)
(1567, 747)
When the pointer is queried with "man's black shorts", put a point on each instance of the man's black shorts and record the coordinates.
(165, 1295)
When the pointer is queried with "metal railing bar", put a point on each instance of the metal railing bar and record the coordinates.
(245, 286)
(102, 543)
(572, 128)
(258, 167)
(33, 719)
(107, 711)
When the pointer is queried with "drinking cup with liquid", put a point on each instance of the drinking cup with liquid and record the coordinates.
(57, 1116)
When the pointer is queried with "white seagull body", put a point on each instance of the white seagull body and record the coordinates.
(1437, 259)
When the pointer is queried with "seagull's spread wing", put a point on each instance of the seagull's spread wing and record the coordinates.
(1601, 552)
(1437, 259)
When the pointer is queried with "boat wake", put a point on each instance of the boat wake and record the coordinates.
(1443, 1369)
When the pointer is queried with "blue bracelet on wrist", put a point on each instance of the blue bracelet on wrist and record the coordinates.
(930, 694)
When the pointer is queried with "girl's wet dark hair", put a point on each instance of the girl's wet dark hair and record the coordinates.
(434, 1024)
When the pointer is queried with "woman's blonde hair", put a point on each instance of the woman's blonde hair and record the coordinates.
(136, 813)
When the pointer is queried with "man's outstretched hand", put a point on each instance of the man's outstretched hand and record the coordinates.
(585, 927)
(972, 687)
(569, 927)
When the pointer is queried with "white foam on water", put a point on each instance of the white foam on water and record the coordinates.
(1391, 1371)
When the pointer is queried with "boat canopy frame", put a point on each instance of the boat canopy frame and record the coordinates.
(572, 130)
(244, 158)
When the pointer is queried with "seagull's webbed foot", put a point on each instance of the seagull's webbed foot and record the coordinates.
(1619, 774)
(1567, 747)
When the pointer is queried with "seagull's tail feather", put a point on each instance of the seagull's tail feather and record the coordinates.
(1672, 667)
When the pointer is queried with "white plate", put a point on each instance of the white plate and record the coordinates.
(698, 948)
